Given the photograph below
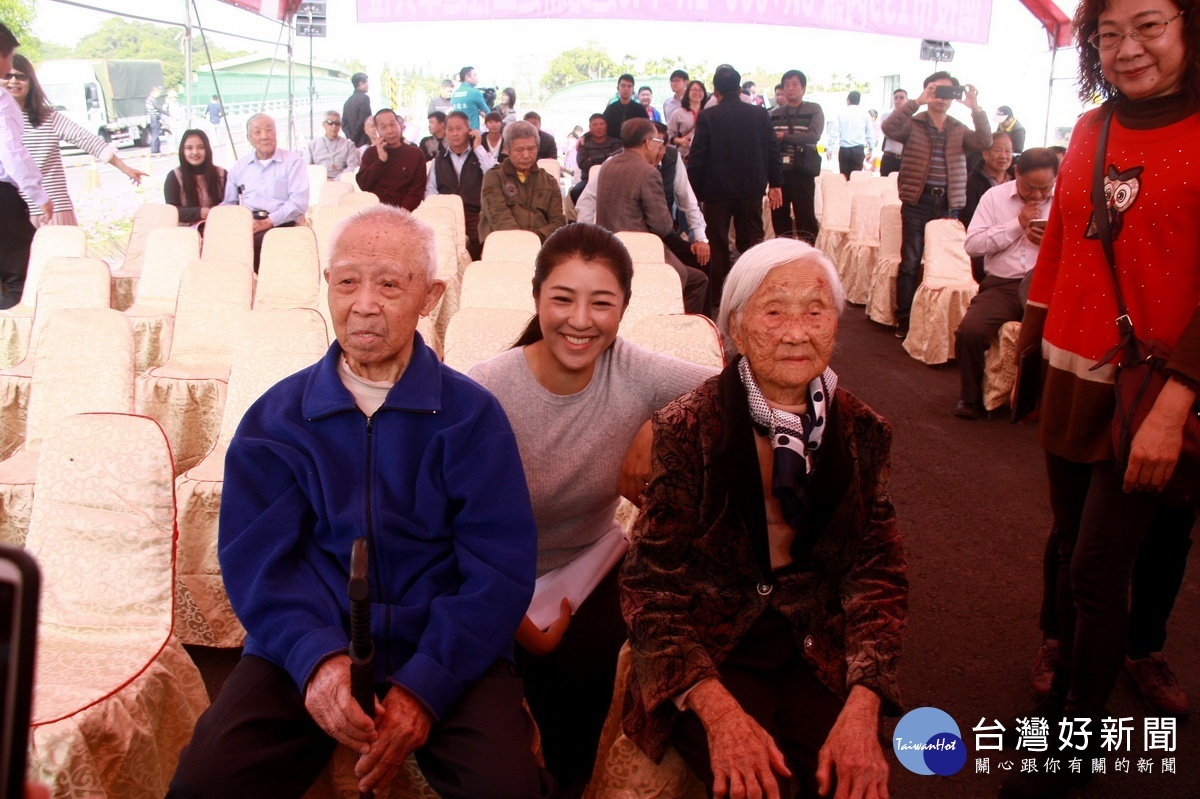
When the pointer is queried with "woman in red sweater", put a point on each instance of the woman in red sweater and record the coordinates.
(1141, 55)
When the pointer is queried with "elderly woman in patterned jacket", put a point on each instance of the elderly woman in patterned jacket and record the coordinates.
(766, 587)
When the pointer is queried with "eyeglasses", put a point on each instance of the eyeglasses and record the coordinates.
(1144, 32)
(333, 124)
(16, 76)
(660, 141)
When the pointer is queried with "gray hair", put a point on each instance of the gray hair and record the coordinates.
(751, 270)
(519, 130)
(419, 239)
(259, 115)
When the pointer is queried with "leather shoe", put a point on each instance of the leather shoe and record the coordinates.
(902, 329)
(966, 410)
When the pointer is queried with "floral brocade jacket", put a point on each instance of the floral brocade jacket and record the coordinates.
(698, 574)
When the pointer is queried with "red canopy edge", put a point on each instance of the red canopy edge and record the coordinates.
(282, 10)
(1056, 23)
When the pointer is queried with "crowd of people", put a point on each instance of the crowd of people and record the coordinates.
(763, 590)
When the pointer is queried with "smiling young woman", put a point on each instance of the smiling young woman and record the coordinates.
(577, 395)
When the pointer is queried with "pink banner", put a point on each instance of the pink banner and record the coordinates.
(947, 20)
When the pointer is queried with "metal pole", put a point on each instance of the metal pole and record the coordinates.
(1050, 88)
(187, 62)
(291, 83)
(311, 97)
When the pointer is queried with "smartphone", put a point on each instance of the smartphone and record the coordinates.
(1040, 224)
(19, 585)
(949, 92)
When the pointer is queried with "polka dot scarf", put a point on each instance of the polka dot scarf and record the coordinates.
(795, 439)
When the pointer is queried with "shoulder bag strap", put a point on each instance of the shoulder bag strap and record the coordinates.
(1127, 340)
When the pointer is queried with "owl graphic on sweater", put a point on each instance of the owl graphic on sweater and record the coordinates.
(1121, 191)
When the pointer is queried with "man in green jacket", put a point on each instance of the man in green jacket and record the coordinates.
(518, 194)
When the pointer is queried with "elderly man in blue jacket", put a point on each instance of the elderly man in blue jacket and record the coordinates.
(378, 439)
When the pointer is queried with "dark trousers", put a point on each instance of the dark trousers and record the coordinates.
(771, 681)
(577, 190)
(912, 245)
(796, 218)
(155, 134)
(997, 302)
(1100, 532)
(889, 163)
(1154, 585)
(257, 740)
(746, 215)
(680, 257)
(16, 238)
(570, 689)
(850, 159)
(471, 224)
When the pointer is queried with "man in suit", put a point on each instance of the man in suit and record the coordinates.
(733, 159)
(629, 196)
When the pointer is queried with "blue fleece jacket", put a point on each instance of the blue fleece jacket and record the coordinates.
(433, 480)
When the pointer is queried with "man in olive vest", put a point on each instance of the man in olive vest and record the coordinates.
(458, 169)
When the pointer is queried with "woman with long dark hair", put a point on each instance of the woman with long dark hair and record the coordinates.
(507, 108)
(1143, 57)
(576, 395)
(682, 123)
(45, 127)
(197, 184)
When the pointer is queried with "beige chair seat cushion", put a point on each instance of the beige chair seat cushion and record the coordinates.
(126, 745)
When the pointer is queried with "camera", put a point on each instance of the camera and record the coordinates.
(489, 96)
(949, 92)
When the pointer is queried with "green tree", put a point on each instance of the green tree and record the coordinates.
(18, 16)
(588, 62)
(119, 38)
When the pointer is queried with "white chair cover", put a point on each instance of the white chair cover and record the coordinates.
(512, 245)
(66, 283)
(946, 290)
(622, 770)
(552, 166)
(881, 300)
(1000, 367)
(168, 251)
(332, 191)
(690, 337)
(186, 394)
(644, 248)
(455, 204)
(861, 175)
(148, 217)
(358, 199)
(324, 220)
(440, 215)
(229, 235)
(857, 261)
(349, 176)
(270, 345)
(16, 323)
(476, 334)
(835, 218)
(116, 697)
(318, 176)
(656, 290)
(498, 284)
(84, 364)
(289, 273)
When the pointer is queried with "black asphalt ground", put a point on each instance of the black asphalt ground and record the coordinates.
(972, 504)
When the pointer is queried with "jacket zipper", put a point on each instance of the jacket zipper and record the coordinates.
(376, 580)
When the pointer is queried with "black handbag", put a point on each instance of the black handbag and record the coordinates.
(1141, 365)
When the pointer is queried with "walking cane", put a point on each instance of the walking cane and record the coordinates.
(362, 651)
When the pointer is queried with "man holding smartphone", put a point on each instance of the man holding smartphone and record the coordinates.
(1007, 232)
(933, 174)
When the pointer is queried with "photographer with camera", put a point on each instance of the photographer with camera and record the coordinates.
(933, 174)
(798, 127)
(468, 99)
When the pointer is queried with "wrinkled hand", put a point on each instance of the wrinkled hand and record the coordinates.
(743, 756)
(701, 250)
(852, 752)
(381, 150)
(331, 704)
(261, 225)
(403, 725)
(636, 467)
(970, 97)
(1156, 445)
(775, 198)
(538, 643)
